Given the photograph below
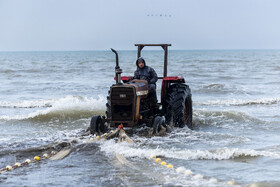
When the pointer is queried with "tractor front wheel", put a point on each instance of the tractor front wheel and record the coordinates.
(97, 126)
(158, 122)
(108, 106)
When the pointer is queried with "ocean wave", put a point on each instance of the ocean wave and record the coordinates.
(216, 88)
(7, 71)
(221, 117)
(213, 60)
(63, 108)
(28, 103)
(240, 102)
(196, 138)
(186, 154)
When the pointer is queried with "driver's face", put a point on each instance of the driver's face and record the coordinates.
(141, 64)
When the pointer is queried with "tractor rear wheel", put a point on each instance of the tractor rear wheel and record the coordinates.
(182, 106)
(167, 107)
(179, 105)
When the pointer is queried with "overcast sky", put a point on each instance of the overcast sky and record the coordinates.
(34, 25)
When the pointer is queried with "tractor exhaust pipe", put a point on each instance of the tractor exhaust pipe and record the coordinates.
(118, 70)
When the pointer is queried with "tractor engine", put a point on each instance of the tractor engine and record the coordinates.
(125, 101)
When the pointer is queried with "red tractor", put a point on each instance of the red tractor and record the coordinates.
(129, 105)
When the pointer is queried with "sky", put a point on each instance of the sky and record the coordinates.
(50, 25)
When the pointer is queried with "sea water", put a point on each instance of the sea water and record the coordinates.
(47, 98)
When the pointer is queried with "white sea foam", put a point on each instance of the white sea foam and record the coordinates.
(219, 117)
(240, 102)
(28, 103)
(186, 154)
(66, 105)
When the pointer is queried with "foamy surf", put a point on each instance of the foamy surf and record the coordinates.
(110, 147)
(208, 117)
(240, 102)
(28, 103)
(62, 107)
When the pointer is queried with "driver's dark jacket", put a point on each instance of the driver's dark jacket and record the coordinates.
(146, 73)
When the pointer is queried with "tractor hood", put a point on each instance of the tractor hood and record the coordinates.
(141, 87)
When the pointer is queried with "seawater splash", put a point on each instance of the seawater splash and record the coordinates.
(62, 107)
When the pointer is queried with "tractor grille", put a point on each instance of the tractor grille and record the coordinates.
(122, 103)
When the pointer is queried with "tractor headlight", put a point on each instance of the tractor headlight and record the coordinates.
(139, 93)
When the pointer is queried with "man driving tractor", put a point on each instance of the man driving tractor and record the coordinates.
(144, 72)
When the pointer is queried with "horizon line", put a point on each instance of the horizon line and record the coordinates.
(88, 50)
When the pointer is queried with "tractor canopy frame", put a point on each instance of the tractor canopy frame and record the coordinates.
(164, 47)
(166, 81)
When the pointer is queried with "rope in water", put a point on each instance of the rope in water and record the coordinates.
(27, 161)
(182, 170)
(179, 170)
(158, 160)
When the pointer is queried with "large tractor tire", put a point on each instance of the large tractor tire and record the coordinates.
(167, 107)
(97, 126)
(157, 124)
(108, 106)
(179, 105)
